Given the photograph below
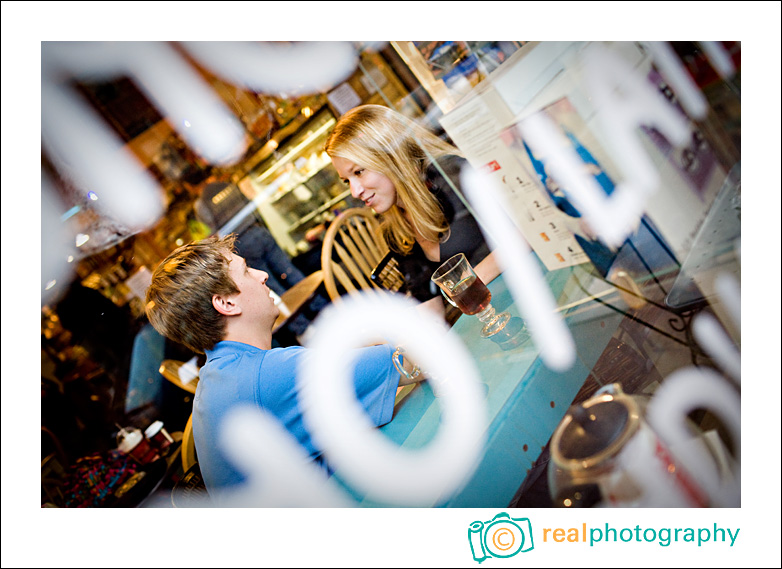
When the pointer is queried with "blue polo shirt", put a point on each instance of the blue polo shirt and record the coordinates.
(237, 373)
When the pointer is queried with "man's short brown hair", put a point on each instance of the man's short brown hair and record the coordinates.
(179, 300)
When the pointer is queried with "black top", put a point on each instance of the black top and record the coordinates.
(464, 235)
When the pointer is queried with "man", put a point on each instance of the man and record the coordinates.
(204, 296)
(219, 204)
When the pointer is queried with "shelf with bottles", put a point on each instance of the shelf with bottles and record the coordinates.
(309, 230)
(299, 153)
(304, 173)
(326, 206)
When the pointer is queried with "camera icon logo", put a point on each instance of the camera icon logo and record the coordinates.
(503, 536)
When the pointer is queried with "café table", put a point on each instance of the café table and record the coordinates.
(525, 399)
(296, 297)
(177, 373)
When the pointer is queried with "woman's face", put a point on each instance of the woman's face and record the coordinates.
(373, 188)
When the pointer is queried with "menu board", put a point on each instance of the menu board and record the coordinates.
(475, 127)
(344, 98)
(572, 132)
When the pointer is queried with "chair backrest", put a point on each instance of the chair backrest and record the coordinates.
(190, 491)
(188, 451)
(352, 247)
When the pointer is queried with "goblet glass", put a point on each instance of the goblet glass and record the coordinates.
(465, 290)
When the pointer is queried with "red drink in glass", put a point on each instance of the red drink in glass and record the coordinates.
(471, 295)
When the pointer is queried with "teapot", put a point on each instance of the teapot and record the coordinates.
(620, 450)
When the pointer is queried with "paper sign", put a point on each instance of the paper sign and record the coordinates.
(344, 98)
(188, 371)
(476, 129)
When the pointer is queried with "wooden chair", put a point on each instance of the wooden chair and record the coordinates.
(190, 490)
(170, 369)
(352, 247)
(188, 446)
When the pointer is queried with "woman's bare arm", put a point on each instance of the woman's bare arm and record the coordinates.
(488, 269)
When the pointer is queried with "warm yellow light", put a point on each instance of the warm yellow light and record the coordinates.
(307, 112)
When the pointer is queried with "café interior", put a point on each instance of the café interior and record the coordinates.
(623, 334)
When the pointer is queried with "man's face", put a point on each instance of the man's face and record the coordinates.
(253, 295)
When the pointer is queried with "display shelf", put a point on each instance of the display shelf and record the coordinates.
(296, 188)
(282, 193)
(328, 205)
(297, 150)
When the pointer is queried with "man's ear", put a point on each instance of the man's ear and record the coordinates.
(226, 305)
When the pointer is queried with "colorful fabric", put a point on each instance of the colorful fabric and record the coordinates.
(94, 478)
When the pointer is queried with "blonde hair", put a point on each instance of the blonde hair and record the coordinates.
(385, 141)
(179, 299)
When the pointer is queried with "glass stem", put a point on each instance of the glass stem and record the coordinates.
(486, 314)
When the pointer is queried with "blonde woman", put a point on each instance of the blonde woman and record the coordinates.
(394, 166)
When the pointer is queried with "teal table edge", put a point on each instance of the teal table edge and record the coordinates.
(525, 399)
